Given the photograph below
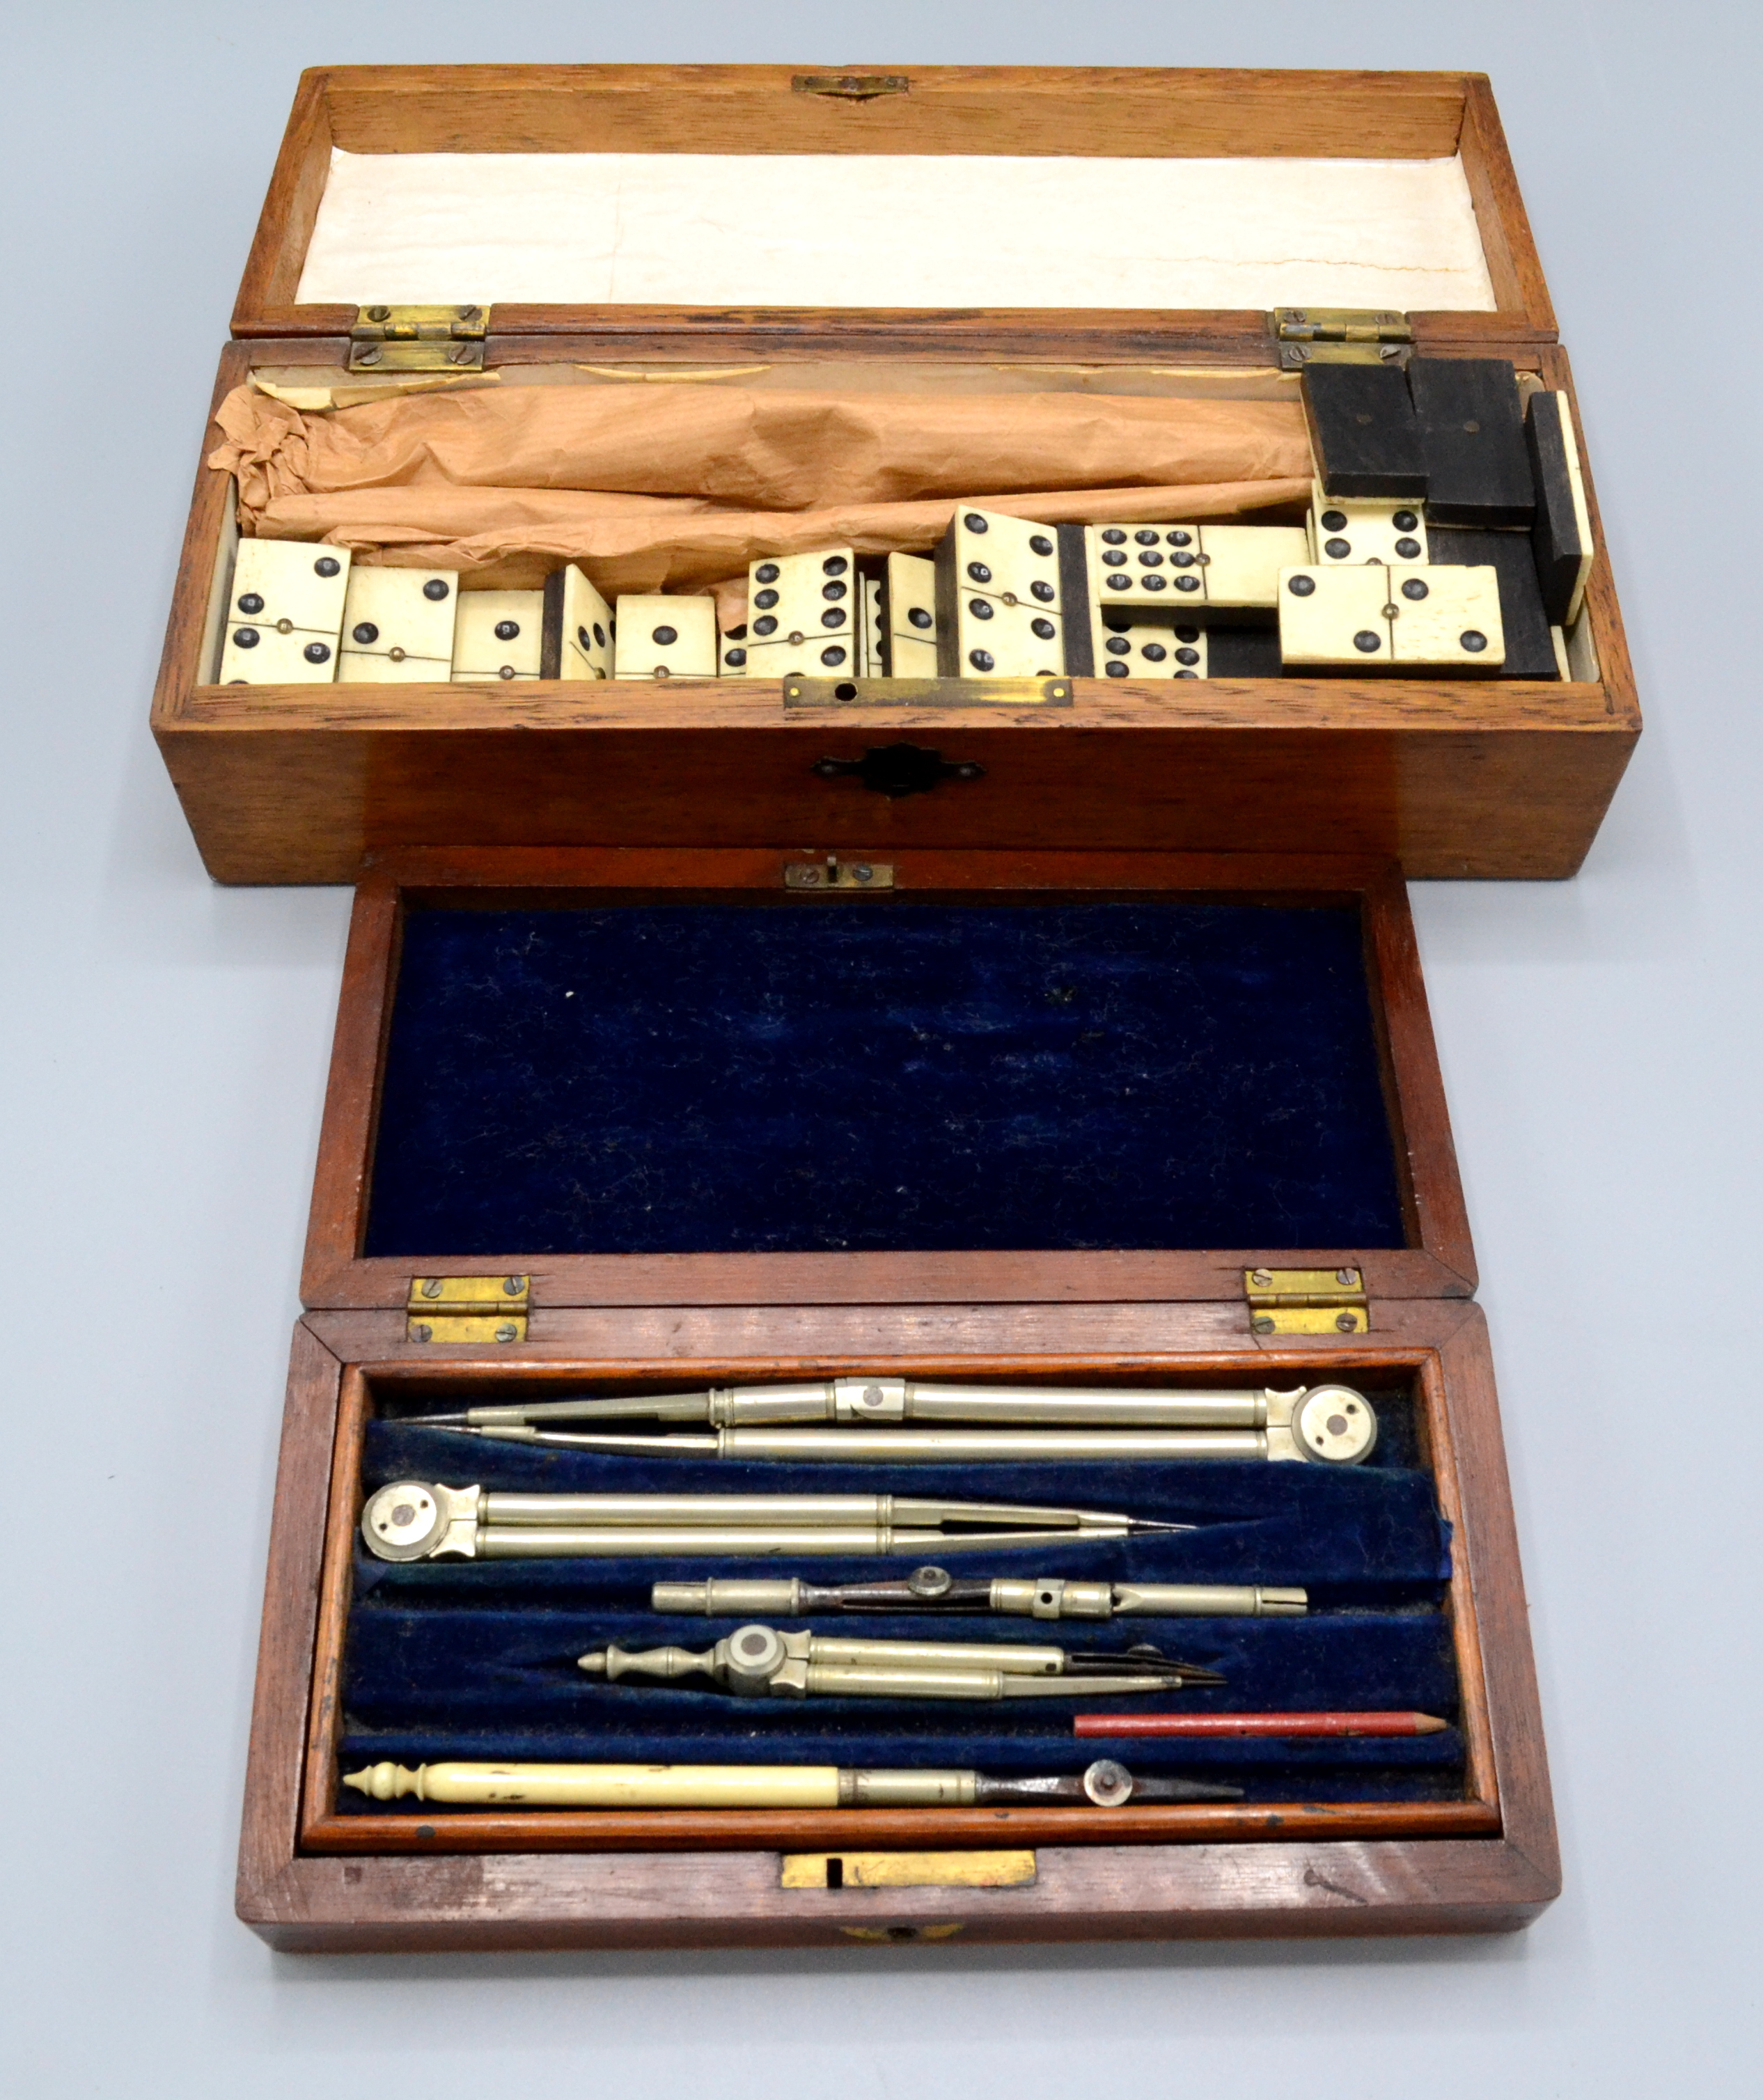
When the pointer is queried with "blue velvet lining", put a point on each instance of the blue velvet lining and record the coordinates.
(889, 1076)
(477, 1660)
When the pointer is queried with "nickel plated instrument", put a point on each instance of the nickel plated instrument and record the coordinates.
(953, 1424)
(760, 1662)
(936, 1590)
(1102, 1784)
(424, 1521)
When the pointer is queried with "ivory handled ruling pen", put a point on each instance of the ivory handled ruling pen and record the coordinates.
(424, 1520)
(936, 1590)
(1201, 1726)
(760, 1662)
(456, 1783)
(862, 1420)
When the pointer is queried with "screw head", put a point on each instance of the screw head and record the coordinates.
(1347, 1322)
(1262, 1323)
(1348, 1276)
(513, 1285)
(1262, 1278)
(507, 1331)
(431, 1287)
(370, 355)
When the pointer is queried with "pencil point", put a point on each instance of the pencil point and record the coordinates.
(1430, 1724)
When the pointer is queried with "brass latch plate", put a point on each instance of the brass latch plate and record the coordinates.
(1306, 1301)
(858, 877)
(468, 1309)
(852, 86)
(387, 338)
(1340, 335)
(907, 1870)
(846, 693)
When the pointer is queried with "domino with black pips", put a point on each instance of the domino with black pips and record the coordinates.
(1472, 439)
(577, 641)
(872, 654)
(1128, 648)
(1342, 529)
(803, 616)
(284, 613)
(1561, 535)
(998, 598)
(1363, 435)
(1530, 649)
(1195, 570)
(1375, 618)
(663, 637)
(398, 626)
(909, 617)
(498, 634)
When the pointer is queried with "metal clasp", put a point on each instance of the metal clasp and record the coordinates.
(852, 86)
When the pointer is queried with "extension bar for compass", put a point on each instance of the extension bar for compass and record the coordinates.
(888, 1420)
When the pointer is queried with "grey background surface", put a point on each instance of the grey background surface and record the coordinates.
(165, 1048)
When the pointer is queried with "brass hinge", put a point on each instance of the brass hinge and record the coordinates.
(468, 1309)
(852, 86)
(1306, 1301)
(1340, 335)
(418, 338)
(856, 876)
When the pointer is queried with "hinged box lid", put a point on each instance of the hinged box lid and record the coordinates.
(695, 210)
(638, 1077)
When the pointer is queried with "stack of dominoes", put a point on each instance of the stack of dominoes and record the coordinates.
(1448, 533)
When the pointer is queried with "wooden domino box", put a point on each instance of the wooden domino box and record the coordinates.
(650, 1120)
(377, 279)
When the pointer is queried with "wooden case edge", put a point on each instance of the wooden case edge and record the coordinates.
(1272, 1886)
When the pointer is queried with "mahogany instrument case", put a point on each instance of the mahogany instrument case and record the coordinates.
(612, 1120)
(1019, 238)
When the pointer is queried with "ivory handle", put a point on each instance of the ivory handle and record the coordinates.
(604, 1786)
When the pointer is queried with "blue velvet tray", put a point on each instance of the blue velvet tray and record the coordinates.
(898, 1076)
(468, 1660)
(754, 1077)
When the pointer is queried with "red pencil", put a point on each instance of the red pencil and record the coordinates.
(1258, 1724)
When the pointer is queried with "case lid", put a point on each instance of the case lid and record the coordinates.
(675, 208)
(602, 1076)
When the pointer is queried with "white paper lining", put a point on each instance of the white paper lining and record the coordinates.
(872, 230)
